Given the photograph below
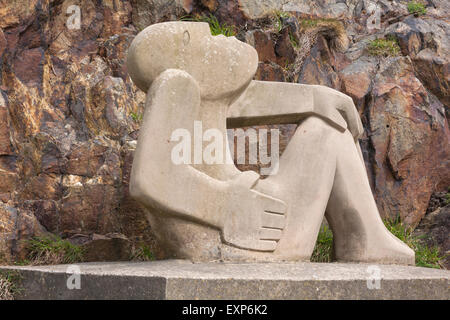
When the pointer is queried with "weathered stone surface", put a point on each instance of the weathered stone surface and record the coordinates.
(5, 142)
(263, 44)
(317, 67)
(434, 229)
(16, 225)
(357, 78)
(426, 42)
(109, 247)
(176, 279)
(51, 78)
(147, 12)
(285, 49)
(66, 103)
(406, 123)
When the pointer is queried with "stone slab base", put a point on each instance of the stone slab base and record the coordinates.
(177, 279)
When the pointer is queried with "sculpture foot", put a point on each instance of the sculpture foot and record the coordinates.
(383, 248)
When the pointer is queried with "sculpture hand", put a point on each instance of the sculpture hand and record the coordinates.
(326, 97)
(252, 220)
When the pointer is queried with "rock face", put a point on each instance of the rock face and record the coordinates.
(434, 228)
(70, 116)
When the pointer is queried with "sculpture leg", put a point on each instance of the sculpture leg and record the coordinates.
(304, 181)
(358, 231)
(322, 170)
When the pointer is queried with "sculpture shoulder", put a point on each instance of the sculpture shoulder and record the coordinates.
(173, 100)
(174, 88)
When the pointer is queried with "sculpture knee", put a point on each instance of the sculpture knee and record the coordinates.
(314, 125)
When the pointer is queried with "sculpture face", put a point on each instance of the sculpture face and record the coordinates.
(221, 65)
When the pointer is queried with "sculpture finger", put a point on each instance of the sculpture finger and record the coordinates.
(270, 234)
(273, 205)
(273, 220)
(267, 245)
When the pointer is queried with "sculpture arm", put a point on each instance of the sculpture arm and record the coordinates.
(265, 102)
(155, 180)
(158, 180)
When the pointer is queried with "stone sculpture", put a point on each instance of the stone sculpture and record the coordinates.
(207, 212)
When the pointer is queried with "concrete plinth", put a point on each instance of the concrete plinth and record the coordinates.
(176, 279)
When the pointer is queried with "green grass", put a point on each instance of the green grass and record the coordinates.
(53, 250)
(416, 8)
(9, 284)
(293, 41)
(309, 23)
(142, 253)
(428, 257)
(277, 19)
(324, 246)
(137, 117)
(425, 256)
(384, 47)
(215, 26)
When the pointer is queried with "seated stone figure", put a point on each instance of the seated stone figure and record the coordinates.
(208, 212)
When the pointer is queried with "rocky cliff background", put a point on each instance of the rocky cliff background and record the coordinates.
(70, 115)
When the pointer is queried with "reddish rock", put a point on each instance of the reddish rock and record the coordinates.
(426, 42)
(110, 247)
(285, 47)
(434, 229)
(2, 43)
(45, 211)
(43, 186)
(89, 207)
(114, 51)
(210, 4)
(16, 226)
(9, 179)
(317, 67)
(434, 73)
(29, 66)
(110, 108)
(410, 135)
(86, 159)
(270, 72)
(263, 44)
(5, 142)
(357, 78)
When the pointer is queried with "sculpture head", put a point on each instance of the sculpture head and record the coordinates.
(221, 65)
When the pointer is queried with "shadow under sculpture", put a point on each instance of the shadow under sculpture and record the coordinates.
(210, 212)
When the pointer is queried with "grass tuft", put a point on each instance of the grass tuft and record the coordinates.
(384, 47)
(215, 26)
(447, 197)
(137, 117)
(9, 284)
(277, 19)
(293, 41)
(323, 250)
(416, 8)
(5, 289)
(309, 23)
(53, 250)
(142, 253)
(426, 256)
